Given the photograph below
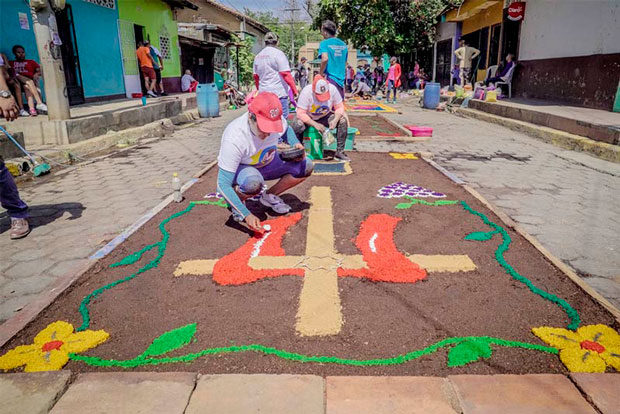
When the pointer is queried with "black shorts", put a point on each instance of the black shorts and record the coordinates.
(157, 75)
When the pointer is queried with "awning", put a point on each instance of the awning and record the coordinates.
(469, 9)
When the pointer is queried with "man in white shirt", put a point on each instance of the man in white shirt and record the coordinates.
(465, 54)
(248, 157)
(272, 72)
(320, 105)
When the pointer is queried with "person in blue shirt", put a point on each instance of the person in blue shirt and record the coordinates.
(334, 54)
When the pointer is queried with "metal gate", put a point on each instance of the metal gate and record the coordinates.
(130, 60)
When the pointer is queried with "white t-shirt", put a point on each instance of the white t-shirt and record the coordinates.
(240, 146)
(186, 82)
(267, 65)
(315, 108)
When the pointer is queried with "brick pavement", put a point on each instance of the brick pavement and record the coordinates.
(77, 212)
(568, 200)
(184, 392)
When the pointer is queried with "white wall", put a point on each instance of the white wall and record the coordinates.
(564, 28)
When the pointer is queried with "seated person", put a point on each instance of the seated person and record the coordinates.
(361, 89)
(12, 83)
(502, 72)
(28, 74)
(319, 105)
(248, 157)
(188, 83)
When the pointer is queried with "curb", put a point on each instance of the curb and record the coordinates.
(560, 265)
(15, 324)
(602, 150)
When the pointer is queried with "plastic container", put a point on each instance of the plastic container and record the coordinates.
(208, 100)
(431, 95)
(491, 96)
(420, 131)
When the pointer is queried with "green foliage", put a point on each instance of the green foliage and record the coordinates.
(302, 32)
(246, 59)
(171, 340)
(384, 26)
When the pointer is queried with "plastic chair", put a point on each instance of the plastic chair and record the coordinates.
(508, 81)
(491, 71)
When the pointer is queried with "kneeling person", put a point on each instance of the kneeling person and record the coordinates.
(320, 105)
(249, 157)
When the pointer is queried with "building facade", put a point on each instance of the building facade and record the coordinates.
(90, 47)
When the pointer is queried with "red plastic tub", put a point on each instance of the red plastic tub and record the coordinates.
(420, 131)
(136, 95)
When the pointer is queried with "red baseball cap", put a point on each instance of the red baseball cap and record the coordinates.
(320, 87)
(268, 110)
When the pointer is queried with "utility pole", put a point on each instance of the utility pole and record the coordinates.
(292, 7)
(51, 63)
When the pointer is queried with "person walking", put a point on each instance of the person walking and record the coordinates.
(158, 67)
(334, 54)
(465, 54)
(9, 196)
(272, 72)
(393, 79)
(145, 60)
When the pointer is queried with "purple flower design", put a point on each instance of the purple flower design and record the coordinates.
(401, 189)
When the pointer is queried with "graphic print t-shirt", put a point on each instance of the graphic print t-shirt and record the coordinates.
(267, 65)
(337, 53)
(315, 108)
(25, 67)
(240, 146)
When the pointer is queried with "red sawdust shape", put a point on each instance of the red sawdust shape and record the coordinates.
(385, 263)
(233, 269)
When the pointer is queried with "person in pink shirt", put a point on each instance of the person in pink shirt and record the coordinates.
(393, 79)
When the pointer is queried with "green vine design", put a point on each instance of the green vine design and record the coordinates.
(465, 350)
(413, 201)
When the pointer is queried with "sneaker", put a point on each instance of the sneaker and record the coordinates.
(23, 112)
(276, 203)
(151, 94)
(342, 156)
(163, 94)
(42, 108)
(19, 228)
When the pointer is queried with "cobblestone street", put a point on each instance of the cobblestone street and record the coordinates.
(568, 200)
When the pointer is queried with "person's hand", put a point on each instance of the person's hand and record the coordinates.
(299, 146)
(319, 127)
(254, 223)
(333, 124)
(8, 108)
(302, 156)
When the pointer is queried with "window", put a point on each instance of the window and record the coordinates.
(103, 3)
(164, 47)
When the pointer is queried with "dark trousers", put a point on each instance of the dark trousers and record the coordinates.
(9, 196)
(341, 130)
(493, 80)
(340, 88)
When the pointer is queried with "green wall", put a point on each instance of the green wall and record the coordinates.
(156, 17)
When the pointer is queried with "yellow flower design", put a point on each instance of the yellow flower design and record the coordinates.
(403, 156)
(590, 349)
(51, 348)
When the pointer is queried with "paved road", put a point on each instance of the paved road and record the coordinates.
(569, 201)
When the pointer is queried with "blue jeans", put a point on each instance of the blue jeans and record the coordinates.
(9, 196)
(285, 107)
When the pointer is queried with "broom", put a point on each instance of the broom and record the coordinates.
(39, 169)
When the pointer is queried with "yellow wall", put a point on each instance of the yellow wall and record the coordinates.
(484, 18)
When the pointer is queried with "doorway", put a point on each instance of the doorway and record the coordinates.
(510, 37)
(138, 32)
(444, 62)
(70, 56)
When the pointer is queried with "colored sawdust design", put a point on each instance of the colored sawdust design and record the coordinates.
(319, 311)
(400, 189)
(51, 348)
(331, 168)
(403, 156)
(367, 106)
(590, 348)
(414, 201)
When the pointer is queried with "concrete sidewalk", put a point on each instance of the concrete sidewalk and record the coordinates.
(190, 393)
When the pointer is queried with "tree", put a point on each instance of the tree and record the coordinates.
(384, 26)
(302, 31)
(246, 60)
